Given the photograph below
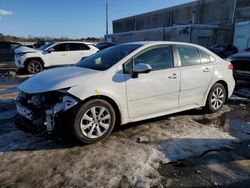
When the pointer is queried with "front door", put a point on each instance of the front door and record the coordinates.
(57, 56)
(157, 91)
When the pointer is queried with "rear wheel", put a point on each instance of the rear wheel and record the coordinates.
(216, 98)
(34, 66)
(94, 121)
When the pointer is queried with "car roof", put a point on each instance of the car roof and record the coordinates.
(61, 42)
(152, 43)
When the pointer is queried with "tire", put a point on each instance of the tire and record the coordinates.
(34, 66)
(88, 128)
(216, 98)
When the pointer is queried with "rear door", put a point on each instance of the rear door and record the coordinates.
(77, 51)
(196, 74)
(155, 92)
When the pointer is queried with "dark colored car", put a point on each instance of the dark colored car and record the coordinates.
(224, 51)
(104, 45)
(7, 54)
(241, 63)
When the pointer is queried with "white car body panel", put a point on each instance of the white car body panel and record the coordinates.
(150, 95)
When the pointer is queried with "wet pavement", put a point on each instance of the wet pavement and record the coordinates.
(188, 149)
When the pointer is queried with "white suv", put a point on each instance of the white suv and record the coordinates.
(52, 54)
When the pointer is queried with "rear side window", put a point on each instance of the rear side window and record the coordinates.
(74, 47)
(205, 58)
(189, 56)
(158, 58)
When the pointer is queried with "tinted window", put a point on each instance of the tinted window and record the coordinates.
(74, 47)
(205, 58)
(158, 58)
(188, 55)
(4, 48)
(85, 47)
(108, 57)
(60, 47)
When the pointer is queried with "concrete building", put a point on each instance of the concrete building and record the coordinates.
(204, 22)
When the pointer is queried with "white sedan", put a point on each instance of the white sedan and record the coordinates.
(126, 83)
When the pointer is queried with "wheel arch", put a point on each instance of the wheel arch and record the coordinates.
(110, 101)
(222, 82)
(33, 58)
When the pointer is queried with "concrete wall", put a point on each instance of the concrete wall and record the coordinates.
(199, 12)
(242, 35)
(205, 35)
(164, 24)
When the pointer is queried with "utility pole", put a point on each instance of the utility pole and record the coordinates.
(107, 23)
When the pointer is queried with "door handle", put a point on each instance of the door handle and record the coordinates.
(206, 69)
(63, 54)
(173, 76)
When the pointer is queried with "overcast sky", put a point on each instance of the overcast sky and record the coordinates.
(70, 18)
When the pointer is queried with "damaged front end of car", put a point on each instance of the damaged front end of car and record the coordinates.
(42, 109)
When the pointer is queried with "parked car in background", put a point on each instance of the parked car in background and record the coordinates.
(7, 54)
(126, 83)
(52, 54)
(103, 45)
(224, 50)
(241, 63)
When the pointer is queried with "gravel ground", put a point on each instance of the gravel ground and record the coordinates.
(189, 149)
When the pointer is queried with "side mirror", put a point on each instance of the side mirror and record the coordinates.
(140, 68)
(50, 50)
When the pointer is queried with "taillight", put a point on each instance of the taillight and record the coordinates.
(230, 67)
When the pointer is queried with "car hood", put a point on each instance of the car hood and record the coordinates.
(57, 78)
(241, 55)
(25, 49)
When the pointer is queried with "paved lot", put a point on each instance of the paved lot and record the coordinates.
(182, 150)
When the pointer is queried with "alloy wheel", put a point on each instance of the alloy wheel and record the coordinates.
(95, 122)
(217, 98)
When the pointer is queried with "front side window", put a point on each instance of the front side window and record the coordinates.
(188, 55)
(158, 58)
(60, 48)
(108, 57)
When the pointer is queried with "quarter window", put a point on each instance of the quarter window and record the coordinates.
(84, 47)
(189, 56)
(158, 58)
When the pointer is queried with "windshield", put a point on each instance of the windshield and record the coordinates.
(45, 46)
(108, 57)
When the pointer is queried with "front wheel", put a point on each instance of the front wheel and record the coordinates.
(34, 66)
(216, 98)
(94, 121)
